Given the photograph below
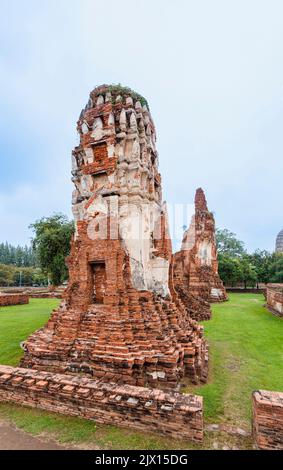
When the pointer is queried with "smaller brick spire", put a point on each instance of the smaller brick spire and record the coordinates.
(200, 200)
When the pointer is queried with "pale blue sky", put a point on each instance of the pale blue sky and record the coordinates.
(212, 72)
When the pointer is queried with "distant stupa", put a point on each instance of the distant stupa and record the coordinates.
(279, 242)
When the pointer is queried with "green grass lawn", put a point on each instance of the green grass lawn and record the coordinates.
(246, 353)
(17, 323)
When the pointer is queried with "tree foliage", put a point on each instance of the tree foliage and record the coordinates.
(276, 269)
(52, 244)
(17, 255)
(227, 244)
(237, 266)
(21, 276)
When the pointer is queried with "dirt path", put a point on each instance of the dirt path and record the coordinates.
(12, 438)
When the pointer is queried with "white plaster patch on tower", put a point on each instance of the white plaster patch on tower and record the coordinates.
(129, 101)
(89, 155)
(74, 163)
(216, 293)
(97, 132)
(133, 122)
(111, 119)
(100, 100)
(123, 120)
(189, 236)
(136, 151)
(159, 269)
(111, 150)
(205, 253)
(98, 205)
(85, 128)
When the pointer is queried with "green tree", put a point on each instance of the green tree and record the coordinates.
(276, 269)
(18, 256)
(229, 270)
(248, 272)
(6, 275)
(52, 244)
(230, 252)
(262, 261)
(227, 244)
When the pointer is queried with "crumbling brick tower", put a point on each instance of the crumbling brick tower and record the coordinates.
(119, 320)
(195, 266)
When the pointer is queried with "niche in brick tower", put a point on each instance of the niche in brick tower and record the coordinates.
(98, 281)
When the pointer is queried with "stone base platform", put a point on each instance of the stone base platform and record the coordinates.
(151, 410)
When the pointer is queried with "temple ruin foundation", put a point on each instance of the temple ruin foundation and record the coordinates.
(195, 266)
(142, 409)
(121, 320)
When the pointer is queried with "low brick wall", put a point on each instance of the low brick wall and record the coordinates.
(46, 295)
(249, 290)
(268, 419)
(13, 299)
(36, 292)
(171, 414)
(274, 299)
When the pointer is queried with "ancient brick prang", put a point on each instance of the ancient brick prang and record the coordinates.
(274, 298)
(121, 319)
(171, 414)
(279, 242)
(13, 299)
(268, 419)
(195, 267)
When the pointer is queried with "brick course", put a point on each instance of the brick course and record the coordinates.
(268, 419)
(274, 299)
(171, 414)
(13, 299)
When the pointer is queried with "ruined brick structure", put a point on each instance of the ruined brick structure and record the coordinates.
(143, 409)
(268, 420)
(195, 266)
(121, 319)
(13, 299)
(279, 242)
(274, 298)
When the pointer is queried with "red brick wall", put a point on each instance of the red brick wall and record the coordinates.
(13, 299)
(274, 299)
(172, 414)
(268, 419)
(100, 152)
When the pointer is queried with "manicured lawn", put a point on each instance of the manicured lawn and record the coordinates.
(246, 353)
(17, 323)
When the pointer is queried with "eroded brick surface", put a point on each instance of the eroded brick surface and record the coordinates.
(171, 414)
(195, 266)
(13, 299)
(121, 319)
(274, 298)
(268, 419)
